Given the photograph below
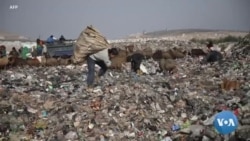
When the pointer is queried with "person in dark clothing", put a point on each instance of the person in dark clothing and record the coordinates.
(210, 45)
(62, 39)
(38, 50)
(102, 59)
(212, 56)
(14, 52)
(2, 51)
(20, 50)
(136, 60)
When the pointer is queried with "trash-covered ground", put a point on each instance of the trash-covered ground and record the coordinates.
(52, 104)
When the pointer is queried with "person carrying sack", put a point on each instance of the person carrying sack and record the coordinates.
(93, 47)
(102, 59)
(90, 41)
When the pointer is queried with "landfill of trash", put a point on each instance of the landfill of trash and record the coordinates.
(52, 104)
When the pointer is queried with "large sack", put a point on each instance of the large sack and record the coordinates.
(89, 42)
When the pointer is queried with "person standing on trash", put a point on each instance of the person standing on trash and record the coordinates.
(102, 59)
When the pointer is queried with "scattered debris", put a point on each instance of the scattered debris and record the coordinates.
(51, 103)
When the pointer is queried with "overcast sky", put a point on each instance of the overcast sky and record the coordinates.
(119, 18)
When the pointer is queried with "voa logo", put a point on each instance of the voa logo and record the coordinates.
(225, 122)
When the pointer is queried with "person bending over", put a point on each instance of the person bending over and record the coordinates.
(136, 60)
(212, 56)
(102, 59)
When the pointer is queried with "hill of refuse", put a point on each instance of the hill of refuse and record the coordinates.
(51, 103)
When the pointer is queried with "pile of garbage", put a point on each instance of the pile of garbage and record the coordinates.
(51, 103)
(242, 48)
(159, 44)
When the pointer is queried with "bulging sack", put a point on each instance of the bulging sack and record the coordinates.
(90, 41)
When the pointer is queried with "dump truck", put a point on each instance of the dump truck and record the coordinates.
(59, 49)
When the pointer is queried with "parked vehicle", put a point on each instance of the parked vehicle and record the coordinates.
(61, 49)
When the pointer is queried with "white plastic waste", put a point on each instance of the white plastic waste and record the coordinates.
(167, 139)
(143, 69)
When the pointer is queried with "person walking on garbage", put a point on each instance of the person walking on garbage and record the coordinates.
(102, 59)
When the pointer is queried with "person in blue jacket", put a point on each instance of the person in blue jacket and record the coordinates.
(50, 40)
